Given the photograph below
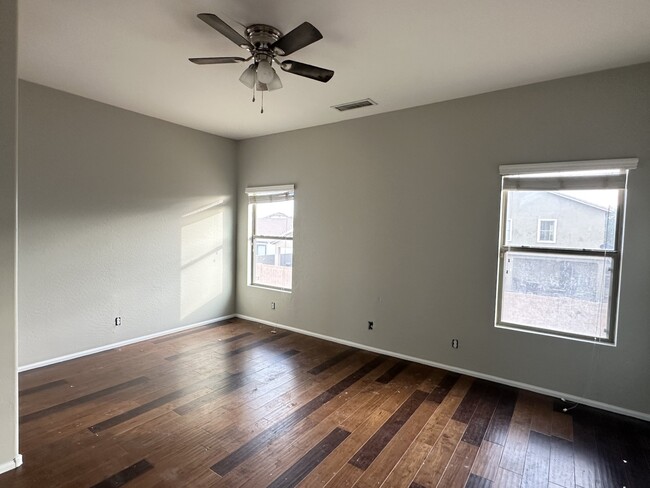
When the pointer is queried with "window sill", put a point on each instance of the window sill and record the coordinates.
(548, 333)
(270, 288)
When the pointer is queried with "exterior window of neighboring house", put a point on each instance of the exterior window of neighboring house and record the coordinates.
(546, 230)
(270, 211)
(563, 284)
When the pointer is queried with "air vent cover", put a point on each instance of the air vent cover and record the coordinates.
(354, 105)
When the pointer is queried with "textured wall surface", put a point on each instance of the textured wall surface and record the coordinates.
(8, 101)
(397, 216)
(120, 215)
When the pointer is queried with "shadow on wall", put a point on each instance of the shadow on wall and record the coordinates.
(202, 267)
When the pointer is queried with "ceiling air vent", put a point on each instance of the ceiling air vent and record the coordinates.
(354, 105)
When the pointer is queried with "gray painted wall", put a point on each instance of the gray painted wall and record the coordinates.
(8, 102)
(397, 216)
(120, 215)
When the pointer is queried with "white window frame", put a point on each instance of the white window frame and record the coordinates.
(258, 195)
(508, 230)
(553, 240)
(555, 176)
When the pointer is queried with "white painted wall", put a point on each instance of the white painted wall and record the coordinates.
(8, 102)
(396, 221)
(120, 215)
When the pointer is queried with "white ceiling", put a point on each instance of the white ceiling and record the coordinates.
(133, 53)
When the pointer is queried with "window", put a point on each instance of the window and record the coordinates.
(562, 284)
(546, 230)
(270, 211)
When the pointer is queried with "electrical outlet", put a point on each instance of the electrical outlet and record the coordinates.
(371, 325)
(118, 321)
(454, 343)
(272, 305)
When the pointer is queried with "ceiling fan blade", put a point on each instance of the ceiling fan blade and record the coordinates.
(301, 36)
(307, 70)
(223, 60)
(220, 26)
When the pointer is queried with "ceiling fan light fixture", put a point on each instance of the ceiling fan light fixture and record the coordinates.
(249, 76)
(275, 83)
(264, 71)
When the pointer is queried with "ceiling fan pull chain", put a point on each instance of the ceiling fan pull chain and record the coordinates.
(253, 93)
(262, 110)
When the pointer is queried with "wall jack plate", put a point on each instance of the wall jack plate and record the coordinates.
(118, 321)
(454, 343)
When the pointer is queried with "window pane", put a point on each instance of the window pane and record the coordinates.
(274, 219)
(272, 262)
(569, 294)
(577, 219)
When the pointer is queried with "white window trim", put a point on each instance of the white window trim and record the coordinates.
(587, 165)
(264, 194)
(617, 166)
(539, 231)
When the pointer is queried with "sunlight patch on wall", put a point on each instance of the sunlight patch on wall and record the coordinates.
(201, 257)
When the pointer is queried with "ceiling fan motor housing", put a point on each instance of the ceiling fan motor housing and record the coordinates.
(262, 36)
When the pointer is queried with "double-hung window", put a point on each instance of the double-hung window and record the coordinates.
(560, 247)
(270, 211)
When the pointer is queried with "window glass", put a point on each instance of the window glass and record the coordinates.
(271, 258)
(587, 218)
(559, 258)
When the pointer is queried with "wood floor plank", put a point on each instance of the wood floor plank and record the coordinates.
(514, 452)
(480, 420)
(486, 464)
(334, 360)
(262, 468)
(467, 407)
(126, 475)
(562, 464)
(82, 399)
(562, 425)
(390, 375)
(585, 452)
(284, 409)
(196, 330)
(498, 429)
(507, 479)
(43, 387)
(296, 473)
(363, 423)
(345, 478)
(261, 342)
(542, 416)
(457, 471)
(475, 481)
(436, 462)
(443, 388)
(227, 464)
(444, 412)
(538, 456)
(367, 454)
(390, 455)
(405, 470)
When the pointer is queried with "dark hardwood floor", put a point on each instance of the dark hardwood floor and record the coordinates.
(240, 404)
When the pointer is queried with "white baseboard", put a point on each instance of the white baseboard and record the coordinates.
(115, 345)
(476, 374)
(13, 464)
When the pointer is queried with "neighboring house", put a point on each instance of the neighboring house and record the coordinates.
(270, 251)
(566, 222)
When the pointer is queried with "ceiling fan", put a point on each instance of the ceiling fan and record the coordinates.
(265, 44)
